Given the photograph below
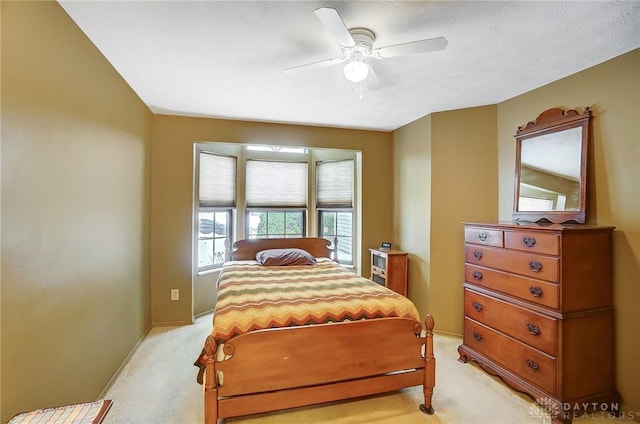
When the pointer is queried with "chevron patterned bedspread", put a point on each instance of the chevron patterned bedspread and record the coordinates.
(253, 297)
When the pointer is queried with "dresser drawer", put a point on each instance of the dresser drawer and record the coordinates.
(536, 242)
(529, 363)
(529, 327)
(483, 236)
(530, 265)
(529, 289)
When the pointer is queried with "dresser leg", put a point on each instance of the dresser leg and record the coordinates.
(462, 357)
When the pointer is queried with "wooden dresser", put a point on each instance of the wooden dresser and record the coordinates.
(538, 312)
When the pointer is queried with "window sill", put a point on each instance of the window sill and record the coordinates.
(209, 271)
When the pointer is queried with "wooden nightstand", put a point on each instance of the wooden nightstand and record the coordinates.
(390, 268)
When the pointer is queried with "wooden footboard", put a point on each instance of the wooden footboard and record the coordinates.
(282, 368)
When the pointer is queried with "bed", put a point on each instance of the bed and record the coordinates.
(254, 363)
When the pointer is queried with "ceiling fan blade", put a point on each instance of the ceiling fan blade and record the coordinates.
(315, 65)
(372, 82)
(332, 20)
(413, 47)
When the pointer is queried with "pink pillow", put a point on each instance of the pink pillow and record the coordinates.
(280, 257)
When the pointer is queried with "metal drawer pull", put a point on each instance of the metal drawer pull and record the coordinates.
(477, 275)
(477, 336)
(532, 365)
(535, 291)
(535, 266)
(477, 254)
(533, 329)
(477, 306)
(529, 241)
(483, 236)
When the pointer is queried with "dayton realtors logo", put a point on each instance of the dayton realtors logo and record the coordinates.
(547, 407)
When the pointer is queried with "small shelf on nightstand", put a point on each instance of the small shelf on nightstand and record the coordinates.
(389, 268)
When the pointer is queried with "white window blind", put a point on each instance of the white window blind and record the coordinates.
(276, 184)
(334, 184)
(217, 180)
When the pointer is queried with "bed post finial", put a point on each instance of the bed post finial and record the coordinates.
(429, 366)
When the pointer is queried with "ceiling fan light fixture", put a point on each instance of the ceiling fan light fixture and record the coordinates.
(356, 71)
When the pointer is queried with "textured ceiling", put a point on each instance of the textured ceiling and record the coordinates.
(224, 59)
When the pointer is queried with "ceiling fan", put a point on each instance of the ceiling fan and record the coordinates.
(357, 46)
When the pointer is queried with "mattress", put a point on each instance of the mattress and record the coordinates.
(253, 297)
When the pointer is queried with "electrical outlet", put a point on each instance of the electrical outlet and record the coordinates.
(175, 294)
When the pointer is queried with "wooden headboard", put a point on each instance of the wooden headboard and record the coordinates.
(246, 249)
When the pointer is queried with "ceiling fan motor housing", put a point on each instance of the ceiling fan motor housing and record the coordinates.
(364, 39)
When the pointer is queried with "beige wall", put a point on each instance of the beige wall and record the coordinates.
(172, 193)
(1, 417)
(75, 209)
(412, 183)
(464, 182)
(612, 89)
(446, 173)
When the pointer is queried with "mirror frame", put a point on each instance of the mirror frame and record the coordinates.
(548, 122)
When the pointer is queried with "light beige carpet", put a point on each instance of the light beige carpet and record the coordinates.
(158, 386)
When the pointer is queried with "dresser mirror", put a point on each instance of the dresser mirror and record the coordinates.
(551, 167)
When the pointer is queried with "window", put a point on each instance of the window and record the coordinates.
(278, 149)
(213, 233)
(334, 201)
(217, 200)
(339, 224)
(275, 223)
(535, 198)
(535, 204)
(276, 197)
